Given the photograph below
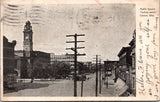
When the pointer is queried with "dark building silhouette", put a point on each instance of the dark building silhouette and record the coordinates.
(8, 56)
(9, 72)
(21, 64)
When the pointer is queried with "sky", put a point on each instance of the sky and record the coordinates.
(107, 27)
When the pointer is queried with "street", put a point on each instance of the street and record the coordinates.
(60, 87)
(65, 88)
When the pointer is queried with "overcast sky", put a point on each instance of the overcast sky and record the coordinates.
(107, 27)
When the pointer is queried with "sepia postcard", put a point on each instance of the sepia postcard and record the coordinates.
(79, 50)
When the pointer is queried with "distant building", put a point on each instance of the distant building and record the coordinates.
(62, 58)
(88, 65)
(110, 66)
(84, 67)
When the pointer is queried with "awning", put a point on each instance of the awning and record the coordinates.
(120, 87)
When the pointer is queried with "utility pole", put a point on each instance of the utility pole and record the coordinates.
(96, 74)
(96, 87)
(75, 57)
(82, 87)
(100, 78)
(107, 77)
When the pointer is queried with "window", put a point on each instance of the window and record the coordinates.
(133, 82)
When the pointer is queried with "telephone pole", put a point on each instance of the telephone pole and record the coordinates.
(100, 78)
(96, 87)
(96, 74)
(75, 57)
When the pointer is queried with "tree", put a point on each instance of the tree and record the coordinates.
(60, 69)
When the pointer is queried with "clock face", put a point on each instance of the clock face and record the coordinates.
(27, 37)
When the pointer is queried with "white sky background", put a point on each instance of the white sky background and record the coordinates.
(107, 27)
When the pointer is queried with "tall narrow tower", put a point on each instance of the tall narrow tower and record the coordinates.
(27, 43)
(28, 47)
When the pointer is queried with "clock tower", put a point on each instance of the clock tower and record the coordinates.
(27, 43)
(28, 48)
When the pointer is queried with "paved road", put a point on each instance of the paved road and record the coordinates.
(55, 88)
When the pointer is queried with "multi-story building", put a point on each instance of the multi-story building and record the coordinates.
(126, 65)
(133, 68)
(125, 61)
(9, 70)
(110, 66)
(8, 55)
(61, 58)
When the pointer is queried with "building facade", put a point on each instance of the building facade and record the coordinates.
(40, 60)
(9, 70)
(111, 67)
(127, 65)
(133, 67)
(124, 65)
(62, 58)
(8, 56)
(21, 64)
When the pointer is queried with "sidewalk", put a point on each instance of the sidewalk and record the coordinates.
(109, 92)
(113, 89)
